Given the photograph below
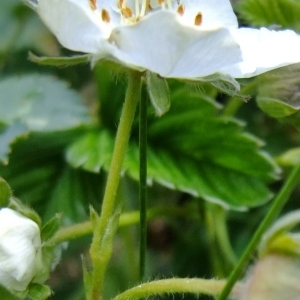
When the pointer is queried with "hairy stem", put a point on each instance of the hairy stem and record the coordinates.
(175, 285)
(100, 252)
(126, 219)
(143, 186)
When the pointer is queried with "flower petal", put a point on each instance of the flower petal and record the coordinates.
(161, 44)
(74, 23)
(215, 13)
(264, 50)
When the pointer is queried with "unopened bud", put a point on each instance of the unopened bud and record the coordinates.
(20, 248)
(275, 277)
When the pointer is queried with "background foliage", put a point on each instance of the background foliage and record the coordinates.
(57, 130)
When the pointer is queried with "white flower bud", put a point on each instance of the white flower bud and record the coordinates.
(20, 246)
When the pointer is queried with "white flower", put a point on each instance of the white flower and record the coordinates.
(20, 246)
(174, 38)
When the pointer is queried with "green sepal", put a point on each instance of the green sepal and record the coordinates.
(275, 108)
(5, 294)
(38, 291)
(50, 228)
(94, 217)
(288, 244)
(225, 84)
(24, 210)
(159, 93)
(112, 227)
(278, 239)
(87, 276)
(278, 92)
(59, 61)
(289, 158)
(47, 260)
(5, 193)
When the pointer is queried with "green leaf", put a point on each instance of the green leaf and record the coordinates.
(8, 136)
(37, 103)
(260, 13)
(194, 150)
(159, 93)
(36, 170)
(41, 103)
(5, 193)
(8, 24)
(59, 61)
(72, 193)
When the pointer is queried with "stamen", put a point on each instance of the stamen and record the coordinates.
(181, 9)
(169, 2)
(198, 19)
(124, 2)
(162, 3)
(93, 4)
(105, 15)
(137, 8)
(120, 3)
(145, 6)
(126, 12)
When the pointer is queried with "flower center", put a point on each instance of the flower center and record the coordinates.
(131, 11)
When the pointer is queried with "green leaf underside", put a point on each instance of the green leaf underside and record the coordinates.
(8, 24)
(37, 103)
(193, 150)
(8, 136)
(269, 12)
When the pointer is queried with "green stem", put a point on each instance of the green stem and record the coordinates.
(279, 202)
(126, 219)
(175, 285)
(223, 237)
(100, 259)
(222, 255)
(143, 186)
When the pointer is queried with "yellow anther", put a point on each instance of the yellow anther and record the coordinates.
(93, 4)
(181, 9)
(120, 3)
(105, 15)
(198, 19)
(126, 12)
